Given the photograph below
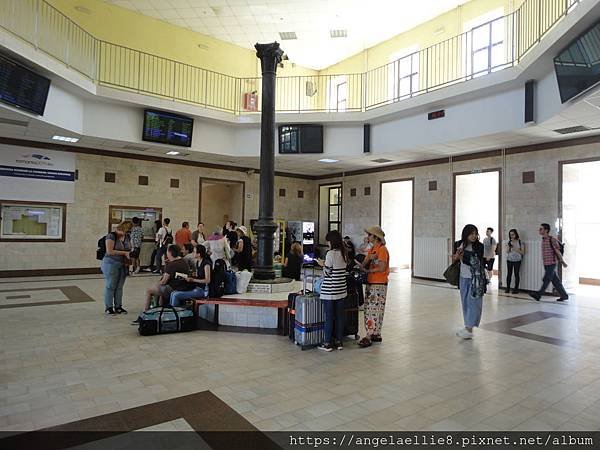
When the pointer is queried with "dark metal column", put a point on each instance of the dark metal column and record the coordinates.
(270, 56)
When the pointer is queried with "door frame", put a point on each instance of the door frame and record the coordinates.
(222, 181)
(500, 211)
(412, 237)
(318, 227)
(561, 165)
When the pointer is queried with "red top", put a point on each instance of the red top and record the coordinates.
(549, 245)
(183, 236)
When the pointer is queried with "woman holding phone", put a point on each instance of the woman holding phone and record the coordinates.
(115, 265)
(473, 279)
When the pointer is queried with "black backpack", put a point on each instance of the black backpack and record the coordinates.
(168, 240)
(101, 250)
(216, 288)
(561, 246)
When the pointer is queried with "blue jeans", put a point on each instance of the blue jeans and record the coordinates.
(334, 313)
(178, 296)
(159, 255)
(114, 277)
(550, 276)
(471, 306)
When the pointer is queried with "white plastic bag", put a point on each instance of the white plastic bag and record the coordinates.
(243, 280)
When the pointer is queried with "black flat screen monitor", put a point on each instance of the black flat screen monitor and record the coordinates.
(301, 138)
(578, 66)
(22, 88)
(167, 128)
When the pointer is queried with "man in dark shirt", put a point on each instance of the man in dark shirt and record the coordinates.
(170, 280)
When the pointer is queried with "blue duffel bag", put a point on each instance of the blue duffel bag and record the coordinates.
(230, 283)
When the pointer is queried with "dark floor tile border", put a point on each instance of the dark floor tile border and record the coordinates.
(507, 326)
(49, 272)
(73, 293)
(208, 415)
(17, 297)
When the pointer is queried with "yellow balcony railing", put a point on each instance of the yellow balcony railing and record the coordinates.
(484, 49)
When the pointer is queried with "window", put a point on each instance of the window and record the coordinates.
(403, 73)
(289, 139)
(118, 214)
(32, 221)
(334, 216)
(486, 49)
(337, 93)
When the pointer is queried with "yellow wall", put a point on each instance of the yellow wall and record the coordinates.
(422, 36)
(130, 29)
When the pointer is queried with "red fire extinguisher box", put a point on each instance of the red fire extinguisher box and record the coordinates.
(251, 101)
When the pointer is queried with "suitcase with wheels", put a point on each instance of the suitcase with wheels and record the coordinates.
(309, 320)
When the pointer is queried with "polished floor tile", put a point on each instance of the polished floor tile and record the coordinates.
(532, 366)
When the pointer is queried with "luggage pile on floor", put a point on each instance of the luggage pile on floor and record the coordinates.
(166, 319)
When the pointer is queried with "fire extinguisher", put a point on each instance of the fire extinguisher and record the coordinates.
(251, 101)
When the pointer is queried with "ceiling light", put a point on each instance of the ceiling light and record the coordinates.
(382, 160)
(82, 9)
(287, 35)
(338, 33)
(329, 161)
(65, 139)
(172, 153)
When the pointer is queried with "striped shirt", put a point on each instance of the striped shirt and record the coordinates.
(334, 276)
(549, 244)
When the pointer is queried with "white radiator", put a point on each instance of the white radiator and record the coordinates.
(431, 257)
(532, 267)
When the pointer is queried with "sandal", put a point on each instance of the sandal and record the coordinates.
(376, 338)
(364, 342)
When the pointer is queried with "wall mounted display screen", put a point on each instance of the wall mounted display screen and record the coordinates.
(22, 88)
(167, 128)
(304, 138)
(578, 66)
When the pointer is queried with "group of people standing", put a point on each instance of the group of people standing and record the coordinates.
(474, 257)
(334, 289)
(183, 252)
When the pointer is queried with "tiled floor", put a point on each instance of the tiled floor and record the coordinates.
(65, 362)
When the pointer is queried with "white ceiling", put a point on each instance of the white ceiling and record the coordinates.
(246, 22)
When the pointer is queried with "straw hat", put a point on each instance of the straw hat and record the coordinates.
(243, 229)
(376, 231)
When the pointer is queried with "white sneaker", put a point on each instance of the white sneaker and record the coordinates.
(463, 333)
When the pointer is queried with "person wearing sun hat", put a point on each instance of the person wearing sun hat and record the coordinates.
(377, 266)
(243, 249)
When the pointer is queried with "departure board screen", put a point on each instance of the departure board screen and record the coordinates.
(22, 88)
(167, 128)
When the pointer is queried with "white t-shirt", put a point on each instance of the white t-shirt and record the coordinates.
(488, 250)
(162, 233)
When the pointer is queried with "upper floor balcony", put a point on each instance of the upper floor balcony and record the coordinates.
(483, 49)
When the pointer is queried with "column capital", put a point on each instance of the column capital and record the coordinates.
(270, 56)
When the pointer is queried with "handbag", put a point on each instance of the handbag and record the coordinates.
(452, 273)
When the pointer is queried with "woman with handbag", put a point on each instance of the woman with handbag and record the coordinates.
(473, 279)
(377, 266)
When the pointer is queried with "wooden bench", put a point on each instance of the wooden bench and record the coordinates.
(282, 315)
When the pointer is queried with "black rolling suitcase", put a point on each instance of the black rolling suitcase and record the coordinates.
(351, 309)
(292, 314)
